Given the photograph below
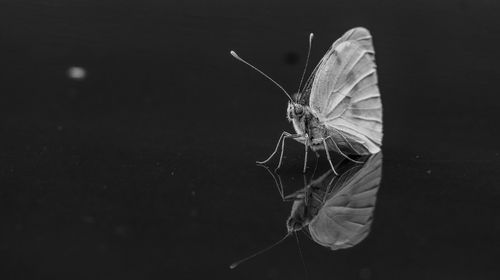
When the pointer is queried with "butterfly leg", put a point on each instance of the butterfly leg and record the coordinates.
(286, 135)
(294, 196)
(275, 149)
(305, 157)
(328, 156)
(346, 140)
(340, 152)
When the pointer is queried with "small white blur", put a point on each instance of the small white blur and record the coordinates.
(77, 73)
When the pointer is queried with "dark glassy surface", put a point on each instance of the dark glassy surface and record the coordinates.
(143, 166)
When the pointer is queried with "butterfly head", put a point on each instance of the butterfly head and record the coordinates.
(299, 218)
(294, 225)
(295, 111)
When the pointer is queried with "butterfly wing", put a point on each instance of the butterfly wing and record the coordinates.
(345, 96)
(345, 218)
(358, 34)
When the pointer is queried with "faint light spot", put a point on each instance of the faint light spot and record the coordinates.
(59, 128)
(429, 171)
(417, 156)
(193, 193)
(77, 73)
(172, 173)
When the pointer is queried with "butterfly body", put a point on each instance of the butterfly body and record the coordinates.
(307, 202)
(307, 124)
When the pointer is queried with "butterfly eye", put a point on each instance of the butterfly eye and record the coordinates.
(298, 111)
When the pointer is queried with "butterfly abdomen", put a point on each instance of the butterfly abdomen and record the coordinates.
(334, 141)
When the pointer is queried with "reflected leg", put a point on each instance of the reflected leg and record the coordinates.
(315, 164)
(277, 181)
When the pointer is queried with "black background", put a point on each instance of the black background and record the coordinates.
(145, 169)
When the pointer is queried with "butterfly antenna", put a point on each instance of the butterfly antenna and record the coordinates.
(264, 74)
(311, 36)
(300, 253)
(235, 264)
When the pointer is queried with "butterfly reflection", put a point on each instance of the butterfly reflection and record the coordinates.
(337, 211)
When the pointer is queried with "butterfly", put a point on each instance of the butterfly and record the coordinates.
(339, 108)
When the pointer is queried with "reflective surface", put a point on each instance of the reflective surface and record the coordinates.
(144, 166)
(336, 211)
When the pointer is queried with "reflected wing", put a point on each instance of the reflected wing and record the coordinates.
(345, 218)
(358, 34)
(345, 95)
